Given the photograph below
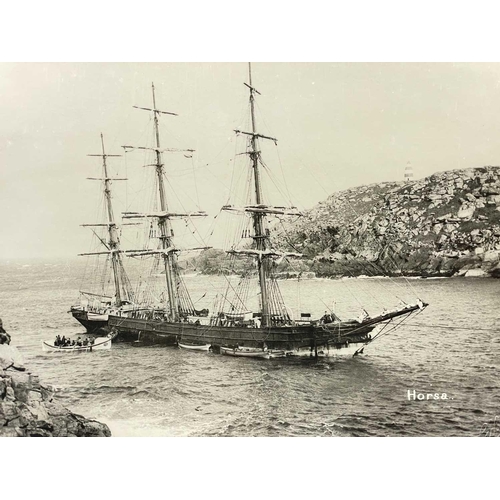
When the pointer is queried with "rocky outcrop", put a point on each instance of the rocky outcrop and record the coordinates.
(28, 408)
(446, 224)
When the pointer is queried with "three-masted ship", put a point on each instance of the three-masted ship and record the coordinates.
(95, 305)
(233, 328)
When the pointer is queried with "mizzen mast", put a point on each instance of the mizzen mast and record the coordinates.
(122, 285)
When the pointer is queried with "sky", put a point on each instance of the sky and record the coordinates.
(338, 125)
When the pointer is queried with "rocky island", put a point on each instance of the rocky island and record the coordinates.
(28, 408)
(447, 224)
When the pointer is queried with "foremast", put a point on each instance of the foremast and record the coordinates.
(260, 238)
(270, 296)
(123, 292)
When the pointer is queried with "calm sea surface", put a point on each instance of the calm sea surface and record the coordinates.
(452, 347)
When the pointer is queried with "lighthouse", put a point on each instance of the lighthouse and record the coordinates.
(408, 172)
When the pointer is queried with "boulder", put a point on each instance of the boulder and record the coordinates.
(475, 273)
(491, 256)
(10, 358)
(466, 211)
(437, 228)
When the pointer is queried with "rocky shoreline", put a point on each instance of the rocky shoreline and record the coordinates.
(447, 224)
(28, 408)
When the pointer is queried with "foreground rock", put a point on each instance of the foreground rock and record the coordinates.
(446, 224)
(27, 408)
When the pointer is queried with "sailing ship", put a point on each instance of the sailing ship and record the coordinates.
(234, 328)
(94, 306)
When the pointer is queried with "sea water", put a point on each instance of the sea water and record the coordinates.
(452, 348)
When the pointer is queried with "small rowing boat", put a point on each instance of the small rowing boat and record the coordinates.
(251, 352)
(195, 347)
(100, 344)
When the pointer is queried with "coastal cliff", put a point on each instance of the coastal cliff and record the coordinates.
(446, 224)
(28, 408)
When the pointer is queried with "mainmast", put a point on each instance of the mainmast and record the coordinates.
(163, 222)
(113, 243)
(168, 250)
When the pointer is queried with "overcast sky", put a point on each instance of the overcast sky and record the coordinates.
(338, 125)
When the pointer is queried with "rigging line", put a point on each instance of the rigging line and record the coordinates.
(233, 169)
(358, 216)
(448, 327)
(182, 172)
(237, 174)
(284, 178)
(366, 289)
(273, 178)
(276, 181)
(174, 191)
(373, 339)
(349, 289)
(216, 178)
(401, 270)
(397, 325)
(211, 228)
(285, 234)
(239, 219)
(387, 322)
(261, 117)
(225, 299)
(232, 288)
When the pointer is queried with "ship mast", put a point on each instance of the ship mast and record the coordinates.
(272, 304)
(163, 222)
(113, 244)
(258, 218)
(113, 236)
(168, 250)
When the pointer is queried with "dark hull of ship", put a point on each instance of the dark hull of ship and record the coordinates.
(289, 338)
(91, 326)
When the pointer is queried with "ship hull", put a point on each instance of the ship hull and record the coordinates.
(287, 338)
(314, 338)
(93, 323)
